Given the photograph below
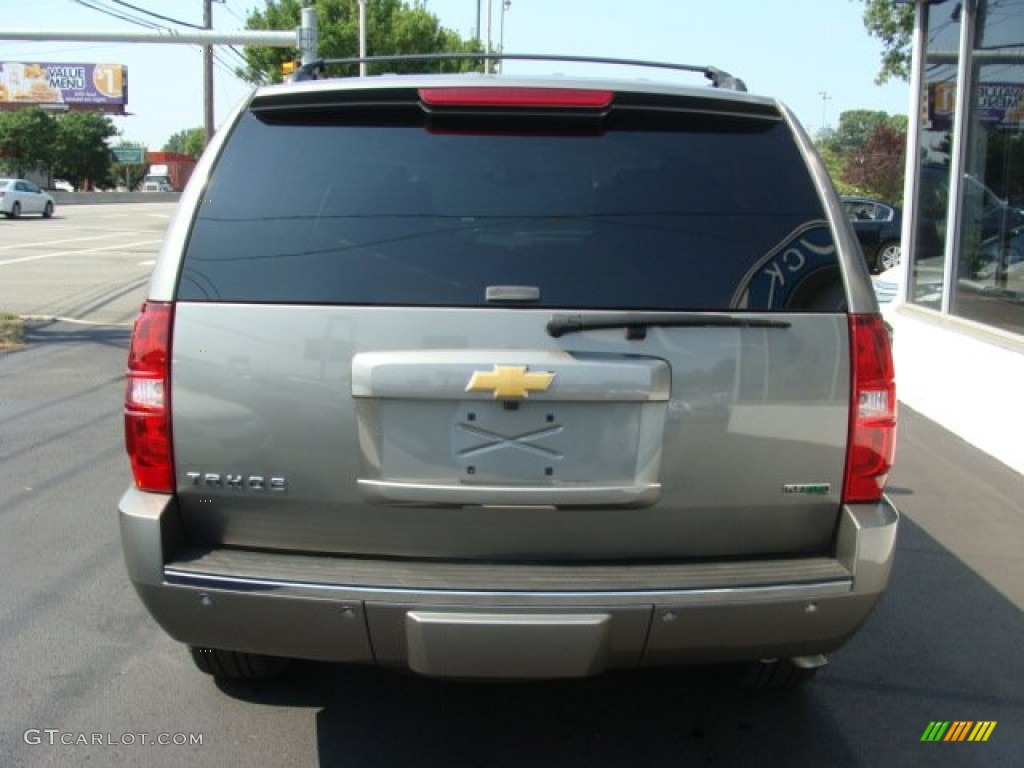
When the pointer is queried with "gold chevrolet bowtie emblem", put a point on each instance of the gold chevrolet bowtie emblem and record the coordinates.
(509, 381)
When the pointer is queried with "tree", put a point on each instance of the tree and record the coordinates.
(393, 27)
(81, 154)
(893, 24)
(835, 165)
(856, 126)
(188, 142)
(27, 139)
(878, 166)
(860, 155)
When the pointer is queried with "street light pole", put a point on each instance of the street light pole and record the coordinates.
(207, 75)
(825, 98)
(505, 5)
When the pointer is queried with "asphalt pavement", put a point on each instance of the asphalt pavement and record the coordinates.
(82, 661)
(89, 263)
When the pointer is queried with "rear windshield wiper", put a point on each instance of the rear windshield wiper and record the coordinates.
(636, 324)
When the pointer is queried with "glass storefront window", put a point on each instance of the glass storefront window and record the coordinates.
(938, 109)
(990, 256)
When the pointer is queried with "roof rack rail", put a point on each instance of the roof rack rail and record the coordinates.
(316, 70)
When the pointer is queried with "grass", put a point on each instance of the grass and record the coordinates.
(12, 335)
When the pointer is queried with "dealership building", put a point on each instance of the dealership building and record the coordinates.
(958, 314)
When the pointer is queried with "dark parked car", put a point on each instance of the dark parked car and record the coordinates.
(877, 225)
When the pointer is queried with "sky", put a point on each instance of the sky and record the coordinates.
(814, 55)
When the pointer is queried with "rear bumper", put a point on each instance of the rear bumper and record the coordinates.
(471, 620)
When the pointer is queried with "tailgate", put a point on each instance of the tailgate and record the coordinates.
(341, 430)
(362, 355)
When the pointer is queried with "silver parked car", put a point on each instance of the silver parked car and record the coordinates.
(18, 196)
(510, 377)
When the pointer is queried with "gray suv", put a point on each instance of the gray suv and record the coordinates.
(507, 377)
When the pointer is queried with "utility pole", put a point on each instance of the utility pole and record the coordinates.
(487, 43)
(208, 126)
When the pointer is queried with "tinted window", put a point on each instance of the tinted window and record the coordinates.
(717, 216)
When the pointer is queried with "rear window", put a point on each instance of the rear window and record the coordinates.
(690, 213)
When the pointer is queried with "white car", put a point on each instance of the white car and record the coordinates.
(18, 196)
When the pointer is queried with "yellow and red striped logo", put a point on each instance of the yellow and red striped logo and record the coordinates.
(958, 730)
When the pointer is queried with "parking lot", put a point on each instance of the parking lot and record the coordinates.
(89, 262)
(89, 678)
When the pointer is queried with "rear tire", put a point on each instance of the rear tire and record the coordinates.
(773, 675)
(15, 210)
(237, 665)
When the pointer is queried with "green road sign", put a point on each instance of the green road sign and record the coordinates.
(129, 155)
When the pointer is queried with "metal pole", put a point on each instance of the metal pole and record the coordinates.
(362, 37)
(505, 5)
(208, 119)
(487, 44)
(912, 171)
(308, 36)
(479, 37)
(254, 38)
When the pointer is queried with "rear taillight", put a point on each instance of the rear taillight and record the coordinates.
(147, 407)
(515, 97)
(872, 440)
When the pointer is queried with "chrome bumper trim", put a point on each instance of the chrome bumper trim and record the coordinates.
(712, 596)
(625, 496)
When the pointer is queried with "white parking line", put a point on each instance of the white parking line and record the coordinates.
(147, 263)
(53, 242)
(39, 256)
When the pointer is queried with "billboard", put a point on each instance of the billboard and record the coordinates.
(997, 104)
(100, 87)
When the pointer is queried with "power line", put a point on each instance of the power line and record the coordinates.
(238, 55)
(230, 10)
(114, 14)
(157, 15)
(225, 66)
